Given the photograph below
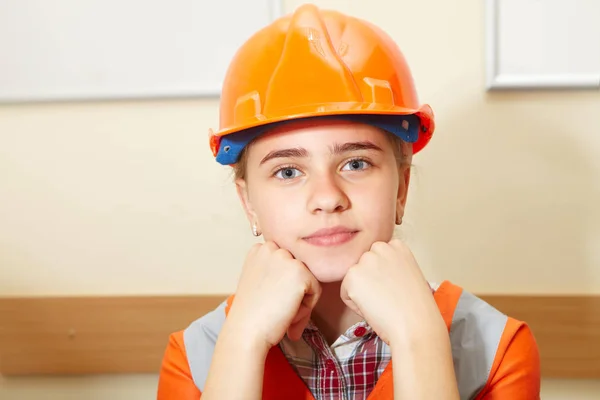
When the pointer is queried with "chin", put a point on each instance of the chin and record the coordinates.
(328, 270)
(330, 264)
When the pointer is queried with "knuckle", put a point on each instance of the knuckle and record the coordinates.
(366, 257)
(253, 253)
(299, 270)
(403, 248)
(255, 247)
(350, 274)
(271, 246)
(318, 290)
(282, 254)
(380, 248)
(398, 243)
(378, 245)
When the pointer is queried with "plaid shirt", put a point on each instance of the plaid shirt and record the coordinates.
(348, 370)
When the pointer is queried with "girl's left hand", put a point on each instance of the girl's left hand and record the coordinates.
(387, 288)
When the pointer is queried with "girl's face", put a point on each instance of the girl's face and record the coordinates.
(325, 192)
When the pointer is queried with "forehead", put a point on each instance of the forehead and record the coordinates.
(317, 135)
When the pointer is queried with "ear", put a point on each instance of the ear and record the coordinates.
(242, 191)
(404, 180)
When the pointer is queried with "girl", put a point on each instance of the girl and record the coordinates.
(320, 120)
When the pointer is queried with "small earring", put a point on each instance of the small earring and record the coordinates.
(255, 231)
(398, 220)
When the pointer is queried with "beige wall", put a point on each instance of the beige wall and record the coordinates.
(124, 198)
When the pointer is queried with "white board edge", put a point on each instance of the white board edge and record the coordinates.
(496, 81)
(212, 90)
(564, 81)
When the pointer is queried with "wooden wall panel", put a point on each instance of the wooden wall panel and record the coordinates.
(567, 329)
(92, 334)
(86, 335)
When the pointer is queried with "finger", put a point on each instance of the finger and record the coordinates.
(302, 318)
(283, 255)
(395, 242)
(366, 258)
(399, 245)
(351, 305)
(253, 252)
(296, 330)
(303, 313)
(293, 332)
(312, 287)
(383, 249)
(346, 298)
(271, 246)
(255, 247)
(312, 292)
(378, 247)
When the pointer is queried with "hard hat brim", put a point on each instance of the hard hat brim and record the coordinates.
(235, 138)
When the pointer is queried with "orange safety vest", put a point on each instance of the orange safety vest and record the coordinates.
(495, 356)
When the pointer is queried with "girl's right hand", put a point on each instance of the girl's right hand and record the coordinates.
(275, 295)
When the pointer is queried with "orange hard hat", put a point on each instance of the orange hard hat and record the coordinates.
(318, 63)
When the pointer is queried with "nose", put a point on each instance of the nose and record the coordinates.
(327, 195)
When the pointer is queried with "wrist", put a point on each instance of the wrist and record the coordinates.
(419, 360)
(237, 364)
(420, 337)
(240, 336)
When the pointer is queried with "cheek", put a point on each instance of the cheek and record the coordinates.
(376, 207)
(279, 213)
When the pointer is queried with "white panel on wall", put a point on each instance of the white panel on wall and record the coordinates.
(103, 49)
(543, 43)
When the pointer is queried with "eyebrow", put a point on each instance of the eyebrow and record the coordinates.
(355, 146)
(299, 152)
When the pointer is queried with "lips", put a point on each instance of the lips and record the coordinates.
(331, 236)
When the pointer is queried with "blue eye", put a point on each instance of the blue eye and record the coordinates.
(287, 173)
(356, 165)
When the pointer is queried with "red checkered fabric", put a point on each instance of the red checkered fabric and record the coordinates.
(347, 370)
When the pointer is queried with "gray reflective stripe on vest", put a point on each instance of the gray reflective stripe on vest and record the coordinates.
(200, 339)
(475, 333)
